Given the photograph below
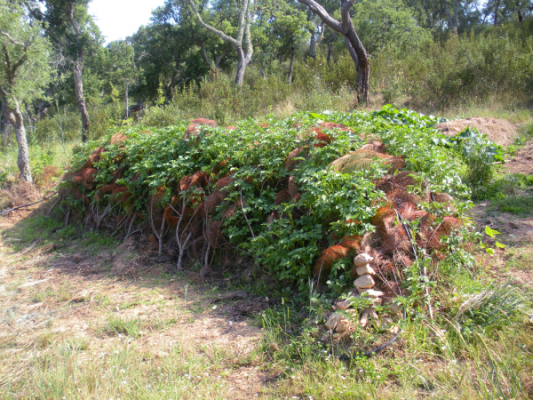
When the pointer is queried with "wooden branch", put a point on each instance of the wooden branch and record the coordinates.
(248, 34)
(242, 17)
(73, 22)
(323, 14)
(212, 29)
(11, 39)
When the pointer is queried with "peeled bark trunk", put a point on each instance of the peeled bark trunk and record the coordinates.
(291, 66)
(23, 161)
(80, 98)
(361, 61)
(241, 66)
(345, 26)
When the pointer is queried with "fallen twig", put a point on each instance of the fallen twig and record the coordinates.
(27, 205)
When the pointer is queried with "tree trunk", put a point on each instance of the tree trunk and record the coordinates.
(362, 63)
(263, 71)
(496, 12)
(241, 66)
(291, 66)
(127, 102)
(456, 15)
(4, 139)
(330, 52)
(23, 161)
(450, 19)
(312, 45)
(80, 98)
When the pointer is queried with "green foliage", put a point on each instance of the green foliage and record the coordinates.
(25, 68)
(479, 155)
(458, 70)
(388, 22)
(118, 326)
(514, 204)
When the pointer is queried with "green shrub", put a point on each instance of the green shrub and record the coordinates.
(458, 70)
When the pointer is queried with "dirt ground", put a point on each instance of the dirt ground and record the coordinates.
(68, 291)
(522, 162)
(500, 131)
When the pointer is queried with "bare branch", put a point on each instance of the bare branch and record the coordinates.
(323, 14)
(12, 40)
(212, 29)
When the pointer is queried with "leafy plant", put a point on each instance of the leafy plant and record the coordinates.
(492, 234)
(268, 188)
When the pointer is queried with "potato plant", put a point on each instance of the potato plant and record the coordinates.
(264, 189)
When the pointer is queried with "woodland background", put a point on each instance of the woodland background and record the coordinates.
(436, 56)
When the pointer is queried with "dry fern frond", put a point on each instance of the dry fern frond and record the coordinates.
(326, 260)
(223, 182)
(352, 243)
(118, 137)
(283, 197)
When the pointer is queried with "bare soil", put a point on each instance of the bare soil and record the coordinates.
(522, 162)
(71, 292)
(500, 131)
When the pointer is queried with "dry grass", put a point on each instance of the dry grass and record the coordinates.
(18, 194)
(74, 323)
(500, 131)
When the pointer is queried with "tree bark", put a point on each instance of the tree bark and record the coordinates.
(241, 66)
(345, 26)
(77, 68)
(243, 34)
(496, 12)
(14, 116)
(77, 72)
(127, 102)
(330, 53)
(312, 45)
(4, 140)
(452, 20)
(291, 66)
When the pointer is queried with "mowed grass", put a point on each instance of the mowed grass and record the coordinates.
(136, 345)
(64, 370)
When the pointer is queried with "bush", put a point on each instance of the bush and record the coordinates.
(458, 70)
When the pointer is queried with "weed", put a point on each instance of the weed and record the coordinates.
(102, 300)
(519, 205)
(519, 257)
(118, 326)
(45, 340)
(72, 345)
(97, 240)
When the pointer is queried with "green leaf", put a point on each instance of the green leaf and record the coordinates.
(491, 232)
(500, 245)
(490, 251)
